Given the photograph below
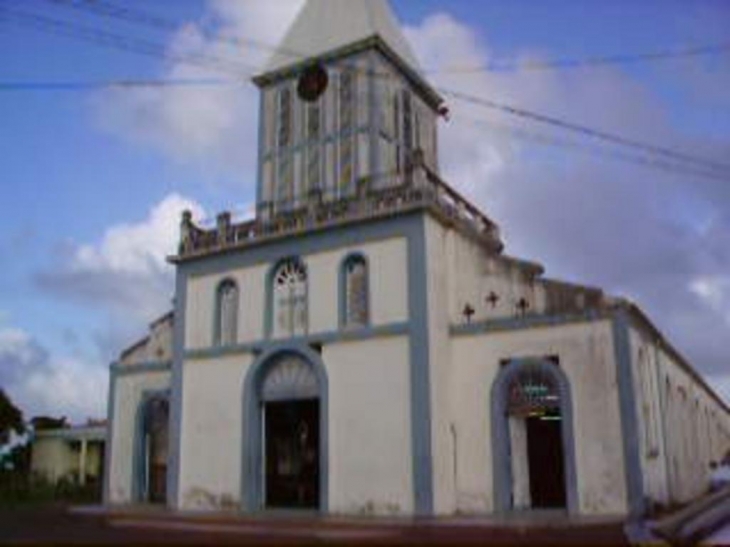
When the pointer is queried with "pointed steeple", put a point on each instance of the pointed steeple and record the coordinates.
(326, 26)
(344, 108)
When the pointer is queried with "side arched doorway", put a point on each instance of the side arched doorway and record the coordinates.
(152, 448)
(286, 432)
(533, 447)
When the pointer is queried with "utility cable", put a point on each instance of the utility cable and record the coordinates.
(113, 40)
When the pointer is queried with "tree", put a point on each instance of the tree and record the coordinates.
(11, 419)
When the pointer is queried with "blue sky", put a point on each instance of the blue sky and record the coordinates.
(93, 180)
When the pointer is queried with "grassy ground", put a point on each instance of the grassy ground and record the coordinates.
(23, 490)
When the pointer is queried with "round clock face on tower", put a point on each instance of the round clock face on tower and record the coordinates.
(312, 83)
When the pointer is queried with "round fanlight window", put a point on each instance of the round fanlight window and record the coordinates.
(312, 83)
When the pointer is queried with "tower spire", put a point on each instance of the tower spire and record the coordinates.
(326, 26)
(344, 108)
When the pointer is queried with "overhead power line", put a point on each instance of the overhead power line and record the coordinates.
(588, 62)
(111, 84)
(214, 63)
(136, 16)
(636, 158)
(119, 41)
(586, 131)
(130, 15)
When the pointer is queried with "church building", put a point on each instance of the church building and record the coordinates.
(364, 345)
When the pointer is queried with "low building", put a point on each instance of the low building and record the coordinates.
(75, 454)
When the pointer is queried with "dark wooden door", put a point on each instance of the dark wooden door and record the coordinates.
(292, 454)
(545, 457)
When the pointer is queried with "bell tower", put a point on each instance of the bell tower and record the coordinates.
(343, 108)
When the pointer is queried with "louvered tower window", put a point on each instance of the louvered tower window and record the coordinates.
(314, 152)
(285, 165)
(347, 126)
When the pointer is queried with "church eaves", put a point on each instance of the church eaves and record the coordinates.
(324, 26)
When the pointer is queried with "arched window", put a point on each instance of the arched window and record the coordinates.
(290, 298)
(355, 292)
(226, 320)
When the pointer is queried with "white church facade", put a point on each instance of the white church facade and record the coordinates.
(365, 346)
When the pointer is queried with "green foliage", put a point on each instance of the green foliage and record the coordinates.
(17, 460)
(23, 489)
(11, 418)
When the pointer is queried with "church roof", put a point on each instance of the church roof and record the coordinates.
(323, 26)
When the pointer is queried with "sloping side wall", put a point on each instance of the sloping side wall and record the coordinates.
(682, 427)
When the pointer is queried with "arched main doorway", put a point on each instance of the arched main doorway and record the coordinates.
(152, 449)
(286, 432)
(532, 436)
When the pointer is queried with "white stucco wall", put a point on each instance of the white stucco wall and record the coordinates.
(53, 458)
(200, 305)
(682, 427)
(440, 270)
(387, 260)
(156, 347)
(212, 427)
(473, 274)
(129, 392)
(586, 355)
(369, 426)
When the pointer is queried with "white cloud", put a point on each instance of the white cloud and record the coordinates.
(126, 272)
(40, 384)
(125, 277)
(714, 290)
(137, 248)
(211, 127)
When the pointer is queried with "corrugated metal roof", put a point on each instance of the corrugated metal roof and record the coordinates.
(326, 25)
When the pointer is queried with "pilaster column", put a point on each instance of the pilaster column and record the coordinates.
(82, 463)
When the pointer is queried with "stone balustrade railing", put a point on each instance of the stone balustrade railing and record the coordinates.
(373, 198)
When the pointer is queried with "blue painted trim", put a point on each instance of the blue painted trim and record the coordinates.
(342, 300)
(527, 322)
(628, 411)
(331, 337)
(269, 305)
(174, 468)
(252, 465)
(501, 457)
(217, 318)
(261, 149)
(139, 464)
(110, 408)
(420, 370)
(140, 368)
